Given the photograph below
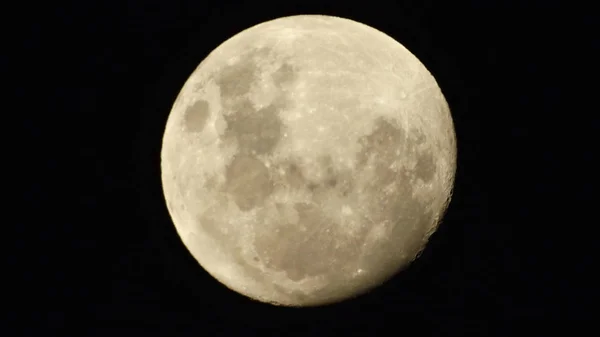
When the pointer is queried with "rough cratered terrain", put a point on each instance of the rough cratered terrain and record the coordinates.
(296, 172)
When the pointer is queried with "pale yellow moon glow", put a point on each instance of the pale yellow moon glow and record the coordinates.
(307, 160)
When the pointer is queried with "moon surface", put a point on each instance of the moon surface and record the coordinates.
(307, 160)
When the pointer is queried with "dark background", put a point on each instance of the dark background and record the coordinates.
(95, 253)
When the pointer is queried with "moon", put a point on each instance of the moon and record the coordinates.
(307, 160)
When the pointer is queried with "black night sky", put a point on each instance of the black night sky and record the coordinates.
(95, 252)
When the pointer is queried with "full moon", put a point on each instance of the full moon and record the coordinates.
(307, 160)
